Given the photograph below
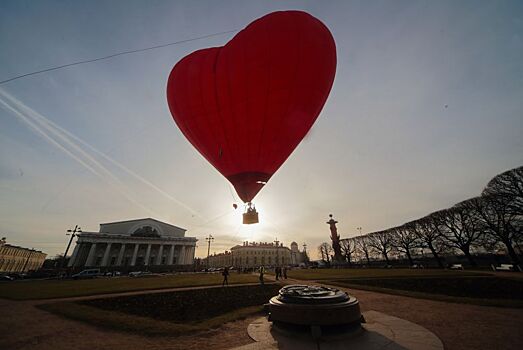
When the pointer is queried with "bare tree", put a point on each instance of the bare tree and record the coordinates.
(404, 239)
(508, 184)
(382, 242)
(498, 220)
(362, 246)
(348, 248)
(428, 231)
(461, 228)
(325, 251)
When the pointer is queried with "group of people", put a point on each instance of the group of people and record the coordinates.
(280, 272)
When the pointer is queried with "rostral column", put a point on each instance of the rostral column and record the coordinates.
(335, 237)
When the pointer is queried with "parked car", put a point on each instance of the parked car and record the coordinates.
(6, 278)
(112, 274)
(139, 273)
(90, 273)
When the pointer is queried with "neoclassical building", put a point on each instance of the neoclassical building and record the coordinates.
(253, 254)
(18, 259)
(134, 245)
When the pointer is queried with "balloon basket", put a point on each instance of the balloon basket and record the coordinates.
(250, 217)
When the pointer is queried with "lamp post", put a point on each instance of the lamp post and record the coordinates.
(209, 240)
(74, 231)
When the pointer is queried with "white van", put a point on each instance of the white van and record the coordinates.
(91, 273)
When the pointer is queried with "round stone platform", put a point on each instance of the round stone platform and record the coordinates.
(380, 332)
(316, 306)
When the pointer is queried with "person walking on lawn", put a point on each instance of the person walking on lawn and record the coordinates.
(262, 271)
(225, 274)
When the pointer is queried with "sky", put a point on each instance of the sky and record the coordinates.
(426, 107)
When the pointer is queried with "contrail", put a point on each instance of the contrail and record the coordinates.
(100, 170)
(50, 124)
(38, 130)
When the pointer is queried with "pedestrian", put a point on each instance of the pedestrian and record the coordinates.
(262, 271)
(225, 274)
(285, 272)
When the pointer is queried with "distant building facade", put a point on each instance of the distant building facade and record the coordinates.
(218, 260)
(251, 254)
(19, 259)
(134, 245)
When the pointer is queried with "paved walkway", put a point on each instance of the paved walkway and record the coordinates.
(459, 326)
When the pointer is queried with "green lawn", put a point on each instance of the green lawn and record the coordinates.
(25, 290)
(330, 274)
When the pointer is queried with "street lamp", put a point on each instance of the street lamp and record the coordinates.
(74, 232)
(209, 240)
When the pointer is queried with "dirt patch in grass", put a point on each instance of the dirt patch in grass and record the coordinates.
(173, 313)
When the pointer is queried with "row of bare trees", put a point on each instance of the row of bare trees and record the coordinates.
(491, 222)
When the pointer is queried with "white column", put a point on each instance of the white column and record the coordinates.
(120, 255)
(147, 254)
(182, 256)
(191, 256)
(75, 255)
(160, 255)
(135, 254)
(91, 255)
(105, 259)
(171, 255)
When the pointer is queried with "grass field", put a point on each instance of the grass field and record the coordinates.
(471, 287)
(48, 289)
(330, 274)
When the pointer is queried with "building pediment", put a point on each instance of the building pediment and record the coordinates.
(147, 227)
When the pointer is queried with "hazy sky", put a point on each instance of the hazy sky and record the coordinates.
(96, 143)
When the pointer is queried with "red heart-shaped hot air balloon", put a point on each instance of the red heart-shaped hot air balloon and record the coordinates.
(247, 105)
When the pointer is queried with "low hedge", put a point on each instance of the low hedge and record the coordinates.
(467, 286)
(190, 305)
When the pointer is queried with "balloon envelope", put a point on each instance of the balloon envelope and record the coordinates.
(247, 105)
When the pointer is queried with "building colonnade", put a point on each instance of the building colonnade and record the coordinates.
(103, 253)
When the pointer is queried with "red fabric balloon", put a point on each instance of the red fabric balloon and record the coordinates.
(247, 105)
